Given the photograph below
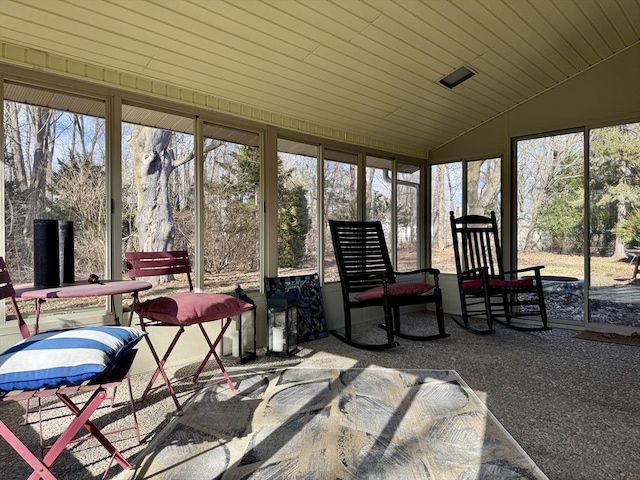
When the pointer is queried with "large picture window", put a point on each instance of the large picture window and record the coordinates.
(297, 208)
(157, 181)
(469, 187)
(231, 208)
(340, 200)
(54, 169)
(408, 208)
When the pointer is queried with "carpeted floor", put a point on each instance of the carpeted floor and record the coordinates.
(572, 405)
(300, 423)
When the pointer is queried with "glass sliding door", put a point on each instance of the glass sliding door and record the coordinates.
(614, 224)
(550, 218)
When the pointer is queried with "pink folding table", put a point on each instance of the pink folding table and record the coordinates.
(81, 289)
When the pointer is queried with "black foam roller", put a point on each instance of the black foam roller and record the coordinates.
(46, 260)
(65, 234)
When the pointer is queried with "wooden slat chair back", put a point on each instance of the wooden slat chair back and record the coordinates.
(97, 387)
(480, 247)
(159, 264)
(179, 309)
(364, 257)
(367, 279)
(487, 291)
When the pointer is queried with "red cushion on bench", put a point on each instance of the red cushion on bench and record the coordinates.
(191, 308)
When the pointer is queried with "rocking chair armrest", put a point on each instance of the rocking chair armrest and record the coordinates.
(432, 271)
(536, 269)
(474, 271)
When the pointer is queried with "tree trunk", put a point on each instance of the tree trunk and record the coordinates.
(474, 205)
(152, 164)
(14, 146)
(440, 216)
(42, 121)
(619, 250)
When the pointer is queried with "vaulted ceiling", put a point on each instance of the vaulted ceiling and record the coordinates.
(367, 67)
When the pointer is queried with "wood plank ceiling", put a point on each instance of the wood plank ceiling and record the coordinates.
(369, 67)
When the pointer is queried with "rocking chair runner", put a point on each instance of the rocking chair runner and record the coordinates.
(179, 310)
(486, 290)
(365, 270)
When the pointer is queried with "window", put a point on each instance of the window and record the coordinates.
(407, 216)
(54, 169)
(158, 201)
(469, 187)
(378, 192)
(231, 208)
(299, 203)
(614, 224)
(340, 199)
(550, 216)
(446, 196)
(297, 208)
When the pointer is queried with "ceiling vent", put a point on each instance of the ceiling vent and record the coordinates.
(456, 77)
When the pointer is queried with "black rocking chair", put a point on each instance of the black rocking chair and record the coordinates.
(365, 271)
(486, 290)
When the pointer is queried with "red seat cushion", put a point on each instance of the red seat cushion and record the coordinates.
(397, 289)
(191, 308)
(505, 284)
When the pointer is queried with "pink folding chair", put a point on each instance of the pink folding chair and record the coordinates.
(61, 363)
(180, 310)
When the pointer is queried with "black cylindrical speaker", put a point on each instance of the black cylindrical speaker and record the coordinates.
(46, 260)
(65, 235)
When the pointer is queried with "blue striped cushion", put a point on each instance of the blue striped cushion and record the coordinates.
(64, 357)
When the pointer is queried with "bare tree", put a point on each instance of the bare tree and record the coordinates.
(30, 142)
(543, 164)
(438, 211)
(483, 186)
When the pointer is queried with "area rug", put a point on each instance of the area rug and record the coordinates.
(312, 423)
(633, 339)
